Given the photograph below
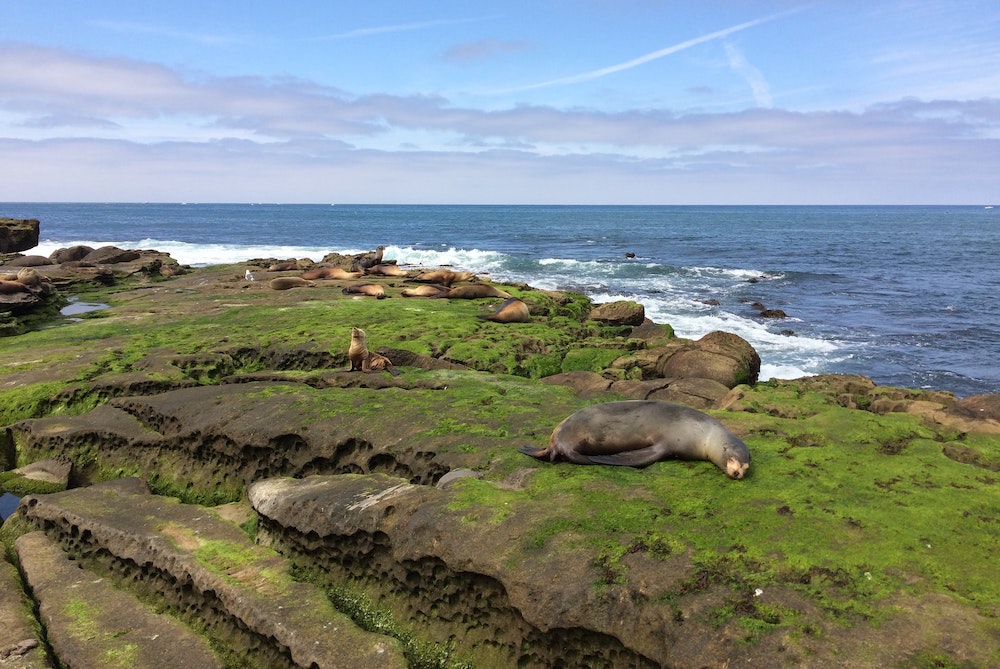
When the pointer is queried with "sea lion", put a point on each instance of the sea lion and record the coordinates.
(475, 291)
(364, 360)
(445, 277)
(512, 310)
(286, 282)
(425, 291)
(370, 289)
(329, 273)
(636, 433)
(11, 287)
(386, 269)
(29, 277)
(284, 266)
(366, 261)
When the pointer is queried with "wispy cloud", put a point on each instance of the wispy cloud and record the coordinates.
(395, 28)
(655, 55)
(132, 28)
(758, 84)
(485, 48)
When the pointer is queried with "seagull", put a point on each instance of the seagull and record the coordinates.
(248, 276)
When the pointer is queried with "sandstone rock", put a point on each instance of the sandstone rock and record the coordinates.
(70, 254)
(694, 392)
(585, 384)
(52, 470)
(17, 631)
(110, 255)
(18, 234)
(28, 261)
(622, 312)
(721, 356)
(89, 623)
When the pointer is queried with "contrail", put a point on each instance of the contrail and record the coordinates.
(635, 62)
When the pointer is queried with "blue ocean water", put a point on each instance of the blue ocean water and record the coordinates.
(904, 295)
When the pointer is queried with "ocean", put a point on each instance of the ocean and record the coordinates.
(906, 295)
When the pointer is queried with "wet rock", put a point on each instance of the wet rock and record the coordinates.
(622, 312)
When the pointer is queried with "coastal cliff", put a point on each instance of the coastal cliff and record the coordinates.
(229, 473)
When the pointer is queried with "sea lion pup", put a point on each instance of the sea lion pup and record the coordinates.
(364, 360)
(386, 269)
(370, 289)
(425, 291)
(329, 273)
(474, 291)
(636, 433)
(512, 310)
(284, 266)
(286, 282)
(445, 277)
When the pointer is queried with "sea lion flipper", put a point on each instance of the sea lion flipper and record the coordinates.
(528, 449)
(637, 458)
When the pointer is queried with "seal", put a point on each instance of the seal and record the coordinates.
(29, 277)
(286, 282)
(429, 290)
(329, 273)
(445, 277)
(386, 269)
(370, 289)
(364, 360)
(512, 310)
(365, 260)
(283, 266)
(636, 433)
(11, 287)
(474, 291)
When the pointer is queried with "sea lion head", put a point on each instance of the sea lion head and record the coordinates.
(737, 457)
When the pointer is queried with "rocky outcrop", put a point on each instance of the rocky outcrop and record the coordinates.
(20, 646)
(198, 565)
(622, 312)
(720, 356)
(18, 234)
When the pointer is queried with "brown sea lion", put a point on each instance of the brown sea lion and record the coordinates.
(370, 289)
(512, 310)
(425, 291)
(636, 433)
(364, 360)
(284, 266)
(386, 269)
(329, 273)
(474, 291)
(286, 282)
(11, 287)
(445, 277)
(8, 276)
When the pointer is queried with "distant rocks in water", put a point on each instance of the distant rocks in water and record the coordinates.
(630, 255)
(18, 234)
(764, 312)
(712, 302)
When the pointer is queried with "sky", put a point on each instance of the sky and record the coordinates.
(514, 102)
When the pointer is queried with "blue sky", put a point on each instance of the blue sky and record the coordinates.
(547, 101)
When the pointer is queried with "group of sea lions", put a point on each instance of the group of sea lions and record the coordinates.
(25, 280)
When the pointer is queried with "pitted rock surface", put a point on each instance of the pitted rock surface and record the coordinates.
(19, 647)
(208, 567)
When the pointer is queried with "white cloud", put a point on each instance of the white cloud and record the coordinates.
(758, 84)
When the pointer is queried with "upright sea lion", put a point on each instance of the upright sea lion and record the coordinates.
(286, 282)
(386, 269)
(366, 261)
(329, 273)
(474, 291)
(445, 277)
(370, 289)
(636, 433)
(428, 290)
(364, 360)
(512, 310)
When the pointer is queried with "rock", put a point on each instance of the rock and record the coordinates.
(90, 623)
(721, 356)
(70, 254)
(694, 392)
(773, 313)
(52, 470)
(110, 255)
(19, 646)
(196, 562)
(18, 234)
(622, 312)
(585, 384)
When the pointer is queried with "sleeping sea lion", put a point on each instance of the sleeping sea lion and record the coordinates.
(370, 289)
(445, 277)
(386, 269)
(329, 273)
(364, 360)
(29, 277)
(425, 291)
(286, 282)
(284, 266)
(512, 310)
(474, 291)
(11, 287)
(636, 433)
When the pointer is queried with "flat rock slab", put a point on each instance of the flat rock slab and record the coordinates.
(19, 646)
(211, 564)
(90, 623)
